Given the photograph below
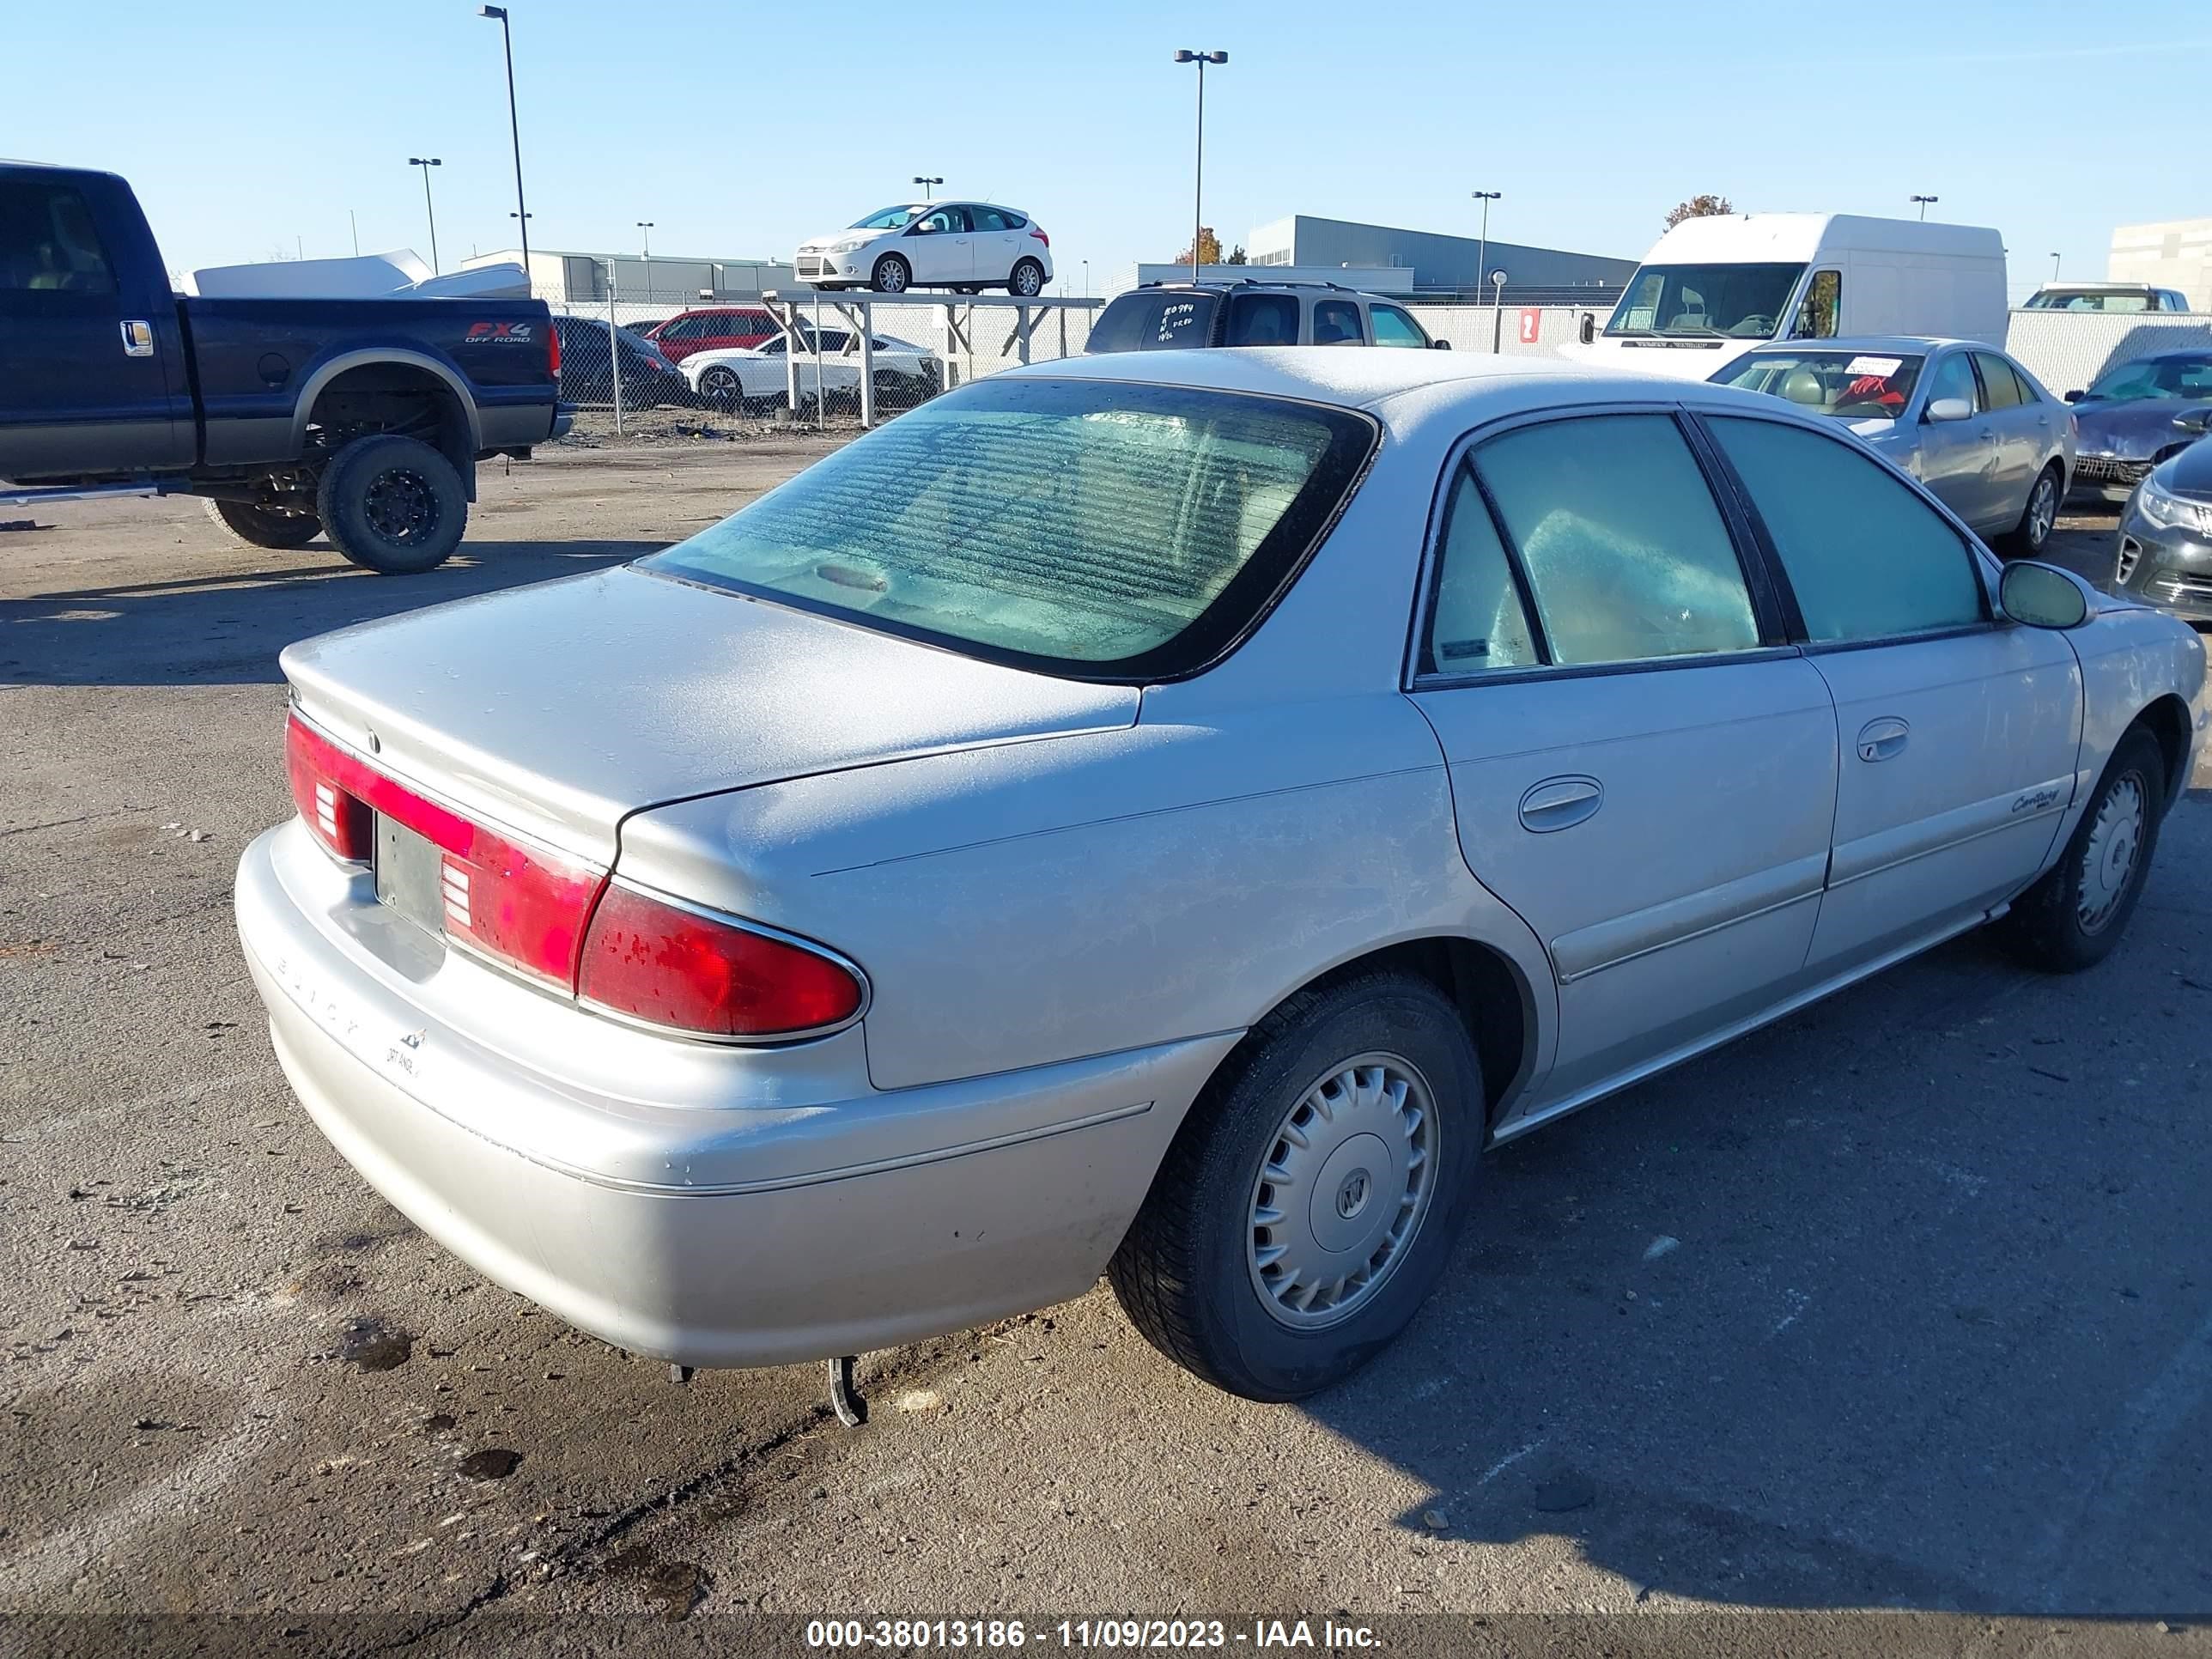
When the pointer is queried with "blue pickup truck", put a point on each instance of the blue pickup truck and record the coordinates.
(363, 419)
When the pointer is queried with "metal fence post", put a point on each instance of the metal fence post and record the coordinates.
(614, 348)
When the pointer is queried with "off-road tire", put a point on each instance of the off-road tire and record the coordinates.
(392, 505)
(263, 527)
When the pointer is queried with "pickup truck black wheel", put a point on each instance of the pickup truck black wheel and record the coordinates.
(392, 505)
(1310, 1199)
(264, 527)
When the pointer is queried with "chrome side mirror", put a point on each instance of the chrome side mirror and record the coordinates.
(2044, 596)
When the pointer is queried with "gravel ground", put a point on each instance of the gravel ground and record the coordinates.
(1904, 1304)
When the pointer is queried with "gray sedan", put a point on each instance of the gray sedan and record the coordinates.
(1965, 419)
(1168, 815)
(2164, 555)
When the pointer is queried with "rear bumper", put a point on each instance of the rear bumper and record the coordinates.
(739, 1212)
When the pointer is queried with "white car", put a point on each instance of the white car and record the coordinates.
(752, 378)
(964, 245)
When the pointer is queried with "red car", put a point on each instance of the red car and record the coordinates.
(712, 328)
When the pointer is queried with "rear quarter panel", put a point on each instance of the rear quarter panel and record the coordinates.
(1080, 895)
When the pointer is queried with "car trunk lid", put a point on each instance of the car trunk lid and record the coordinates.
(555, 711)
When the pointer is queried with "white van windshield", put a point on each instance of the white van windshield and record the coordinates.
(1737, 302)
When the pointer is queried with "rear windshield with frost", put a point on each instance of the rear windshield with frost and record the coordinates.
(1080, 527)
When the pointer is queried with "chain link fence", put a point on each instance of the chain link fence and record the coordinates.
(807, 360)
(2068, 349)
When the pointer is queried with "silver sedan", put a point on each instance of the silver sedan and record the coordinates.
(1967, 421)
(1170, 816)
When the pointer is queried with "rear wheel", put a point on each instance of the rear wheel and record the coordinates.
(723, 389)
(1027, 280)
(392, 505)
(1310, 1200)
(2073, 917)
(264, 527)
(2032, 533)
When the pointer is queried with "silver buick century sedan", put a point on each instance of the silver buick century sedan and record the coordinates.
(1167, 815)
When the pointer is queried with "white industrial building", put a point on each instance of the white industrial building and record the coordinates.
(2172, 253)
(569, 279)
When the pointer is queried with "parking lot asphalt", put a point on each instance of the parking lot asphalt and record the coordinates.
(1905, 1303)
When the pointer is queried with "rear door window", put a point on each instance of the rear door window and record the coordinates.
(1625, 550)
(1261, 320)
(1336, 322)
(1999, 388)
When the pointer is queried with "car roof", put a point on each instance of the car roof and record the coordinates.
(1921, 342)
(1243, 284)
(1368, 377)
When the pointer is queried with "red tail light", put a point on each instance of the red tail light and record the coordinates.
(1037, 231)
(339, 820)
(553, 351)
(674, 967)
(534, 910)
(524, 905)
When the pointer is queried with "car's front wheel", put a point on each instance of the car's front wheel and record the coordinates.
(264, 527)
(892, 275)
(2074, 914)
(1310, 1200)
(2038, 517)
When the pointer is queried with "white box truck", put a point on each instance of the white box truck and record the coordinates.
(1713, 288)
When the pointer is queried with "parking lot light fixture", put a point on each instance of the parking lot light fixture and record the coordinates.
(498, 15)
(2054, 267)
(1197, 171)
(426, 162)
(1482, 248)
(929, 182)
(1926, 202)
(1496, 312)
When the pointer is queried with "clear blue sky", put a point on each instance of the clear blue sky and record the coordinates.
(246, 124)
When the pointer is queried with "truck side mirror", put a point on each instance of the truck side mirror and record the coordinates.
(1588, 327)
(2074, 396)
(1440, 346)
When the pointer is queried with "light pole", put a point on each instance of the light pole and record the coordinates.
(1496, 312)
(513, 128)
(1482, 254)
(1086, 279)
(2054, 267)
(1197, 171)
(426, 163)
(645, 225)
(1926, 202)
(929, 183)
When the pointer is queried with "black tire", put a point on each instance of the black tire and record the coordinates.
(392, 505)
(891, 275)
(2055, 926)
(1189, 1274)
(264, 527)
(2027, 538)
(1026, 280)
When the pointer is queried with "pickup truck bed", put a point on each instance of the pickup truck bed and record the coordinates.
(362, 419)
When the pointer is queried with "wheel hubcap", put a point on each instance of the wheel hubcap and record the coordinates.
(2109, 859)
(894, 279)
(1342, 1190)
(1028, 282)
(401, 506)
(2043, 511)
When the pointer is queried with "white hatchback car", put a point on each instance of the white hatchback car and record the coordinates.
(964, 246)
(746, 378)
